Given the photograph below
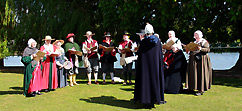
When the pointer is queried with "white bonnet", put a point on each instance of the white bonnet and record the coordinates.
(30, 41)
(199, 33)
(149, 29)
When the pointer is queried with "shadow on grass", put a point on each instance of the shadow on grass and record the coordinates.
(10, 92)
(225, 81)
(112, 101)
(19, 90)
(16, 88)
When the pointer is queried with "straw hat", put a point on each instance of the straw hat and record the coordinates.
(61, 41)
(88, 33)
(70, 35)
(47, 38)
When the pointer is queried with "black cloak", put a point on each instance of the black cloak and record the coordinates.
(149, 82)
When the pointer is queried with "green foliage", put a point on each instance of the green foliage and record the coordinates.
(218, 20)
(7, 26)
(3, 49)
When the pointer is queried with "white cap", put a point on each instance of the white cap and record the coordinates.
(30, 41)
(149, 29)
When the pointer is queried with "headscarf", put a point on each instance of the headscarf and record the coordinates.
(172, 33)
(200, 34)
(30, 41)
(149, 29)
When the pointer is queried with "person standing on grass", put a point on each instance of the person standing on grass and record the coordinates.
(199, 71)
(126, 44)
(175, 66)
(49, 70)
(72, 57)
(32, 70)
(107, 58)
(149, 82)
(91, 56)
(60, 59)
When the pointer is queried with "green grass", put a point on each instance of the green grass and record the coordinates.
(226, 94)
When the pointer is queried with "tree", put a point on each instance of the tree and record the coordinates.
(7, 25)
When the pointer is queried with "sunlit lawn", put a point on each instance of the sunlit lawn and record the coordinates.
(226, 94)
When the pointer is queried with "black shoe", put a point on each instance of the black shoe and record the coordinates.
(38, 93)
(163, 102)
(30, 95)
(46, 90)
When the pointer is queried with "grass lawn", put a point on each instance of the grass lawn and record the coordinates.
(226, 94)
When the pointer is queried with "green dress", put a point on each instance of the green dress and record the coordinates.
(71, 57)
(27, 72)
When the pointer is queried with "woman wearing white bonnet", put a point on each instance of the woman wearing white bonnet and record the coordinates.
(32, 78)
(199, 71)
(175, 66)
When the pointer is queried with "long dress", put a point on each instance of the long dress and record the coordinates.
(32, 72)
(199, 72)
(149, 82)
(61, 72)
(175, 74)
(49, 71)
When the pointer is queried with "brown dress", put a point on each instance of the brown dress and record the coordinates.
(199, 72)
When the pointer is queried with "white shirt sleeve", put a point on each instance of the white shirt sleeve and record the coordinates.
(120, 47)
(83, 49)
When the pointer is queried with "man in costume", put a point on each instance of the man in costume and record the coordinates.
(107, 58)
(72, 57)
(149, 82)
(49, 70)
(90, 49)
(32, 70)
(126, 44)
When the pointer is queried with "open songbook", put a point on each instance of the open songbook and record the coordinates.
(191, 46)
(168, 45)
(108, 49)
(91, 49)
(39, 55)
(75, 52)
(126, 49)
(54, 54)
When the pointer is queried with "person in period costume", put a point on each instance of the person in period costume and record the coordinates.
(107, 58)
(199, 71)
(72, 57)
(175, 66)
(32, 70)
(126, 44)
(49, 71)
(149, 82)
(60, 59)
(90, 49)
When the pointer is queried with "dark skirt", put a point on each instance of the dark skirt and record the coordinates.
(175, 74)
(62, 77)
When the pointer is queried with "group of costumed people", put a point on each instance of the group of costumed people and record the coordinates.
(158, 70)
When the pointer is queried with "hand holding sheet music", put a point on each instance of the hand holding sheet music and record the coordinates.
(168, 45)
(191, 46)
(40, 54)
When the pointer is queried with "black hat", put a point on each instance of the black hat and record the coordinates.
(142, 32)
(107, 34)
(126, 33)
